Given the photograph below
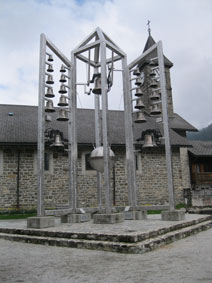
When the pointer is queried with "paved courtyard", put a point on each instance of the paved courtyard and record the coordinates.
(188, 260)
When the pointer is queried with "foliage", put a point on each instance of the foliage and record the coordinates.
(204, 134)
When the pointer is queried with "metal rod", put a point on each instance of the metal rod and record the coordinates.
(87, 47)
(62, 57)
(166, 126)
(41, 127)
(89, 64)
(85, 60)
(108, 207)
(136, 61)
(73, 134)
(130, 157)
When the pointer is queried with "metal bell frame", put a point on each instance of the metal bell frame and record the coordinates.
(100, 42)
(43, 84)
(159, 62)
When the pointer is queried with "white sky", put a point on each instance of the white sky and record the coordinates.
(184, 26)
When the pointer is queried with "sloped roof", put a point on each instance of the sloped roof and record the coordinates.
(201, 148)
(22, 126)
(149, 43)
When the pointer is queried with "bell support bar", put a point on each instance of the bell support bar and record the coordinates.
(62, 57)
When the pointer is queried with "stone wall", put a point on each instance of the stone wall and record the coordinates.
(151, 179)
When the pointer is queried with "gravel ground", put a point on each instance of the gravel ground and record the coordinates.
(188, 260)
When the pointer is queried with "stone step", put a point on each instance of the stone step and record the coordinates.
(127, 237)
(138, 247)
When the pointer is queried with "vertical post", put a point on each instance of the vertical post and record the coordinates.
(105, 128)
(98, 143)
(166, 126)
(73, 137)
(130, 157)
(41, 127)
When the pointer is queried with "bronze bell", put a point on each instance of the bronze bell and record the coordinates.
(153, 84)
(136, 72)
(97, 86)
(62, 115)
(140, 118)
(139, 104)
(138, 81)
(62, 89)
(50, 58)
(155, 109)
(49, 79)
(49, 92)
(62, 69)
(149, 141)
(63, 79)
(50, 68)
(63, 101)
(49, 106)
(154, 95)
(152, 74)
(138, 92)
(58, 141)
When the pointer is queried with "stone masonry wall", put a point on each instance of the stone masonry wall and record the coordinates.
(151, 179)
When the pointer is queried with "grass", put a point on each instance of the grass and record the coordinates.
(16, 214)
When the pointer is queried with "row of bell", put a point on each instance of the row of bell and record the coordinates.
(49, 93)
(63, 116)
(50, 81)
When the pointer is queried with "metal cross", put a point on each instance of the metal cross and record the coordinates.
(148, 24)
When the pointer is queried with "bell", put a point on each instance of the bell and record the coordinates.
(153, 63)
(49, 106)
(58, 141)
(62, 115)
(62, 89)
(50, 58)
(140, 118)
(139, 104)
(49, 92)
(62, 69)
(152, 74)
(138, 81)
(138, 92)
(154, 95)
(155, 109)
(97, 86)
(63, 79)
(153, 84)
(50, 68)
(136, 72)
(49, 79)
(63, 101)
(149, 141)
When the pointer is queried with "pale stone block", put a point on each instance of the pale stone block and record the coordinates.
(76, 218)
(135, 215)
(175, 215)
(112, 218)
(40, 222)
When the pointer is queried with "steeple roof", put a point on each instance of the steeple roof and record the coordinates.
(149, 43)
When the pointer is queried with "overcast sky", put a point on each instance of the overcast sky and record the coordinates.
(184, 26)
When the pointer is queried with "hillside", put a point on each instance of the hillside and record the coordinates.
(204, 134)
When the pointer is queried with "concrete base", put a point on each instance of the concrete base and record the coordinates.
(112, 218)
(75, 218)
(135, 215)
(40, 222)
(175, 215)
